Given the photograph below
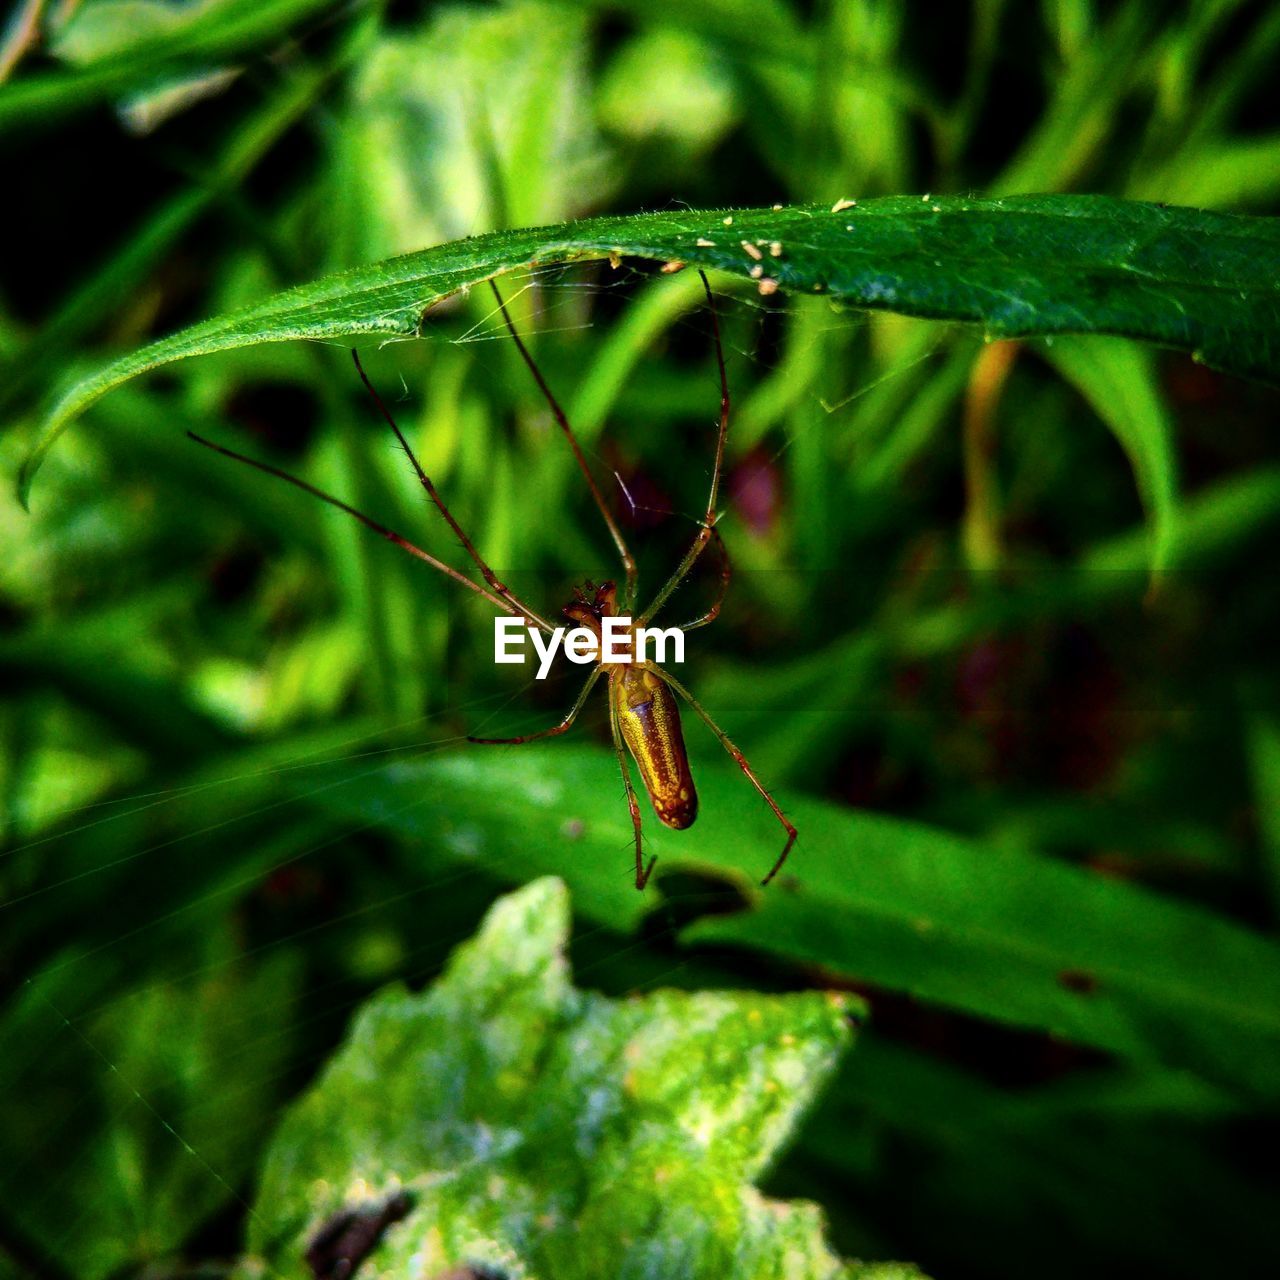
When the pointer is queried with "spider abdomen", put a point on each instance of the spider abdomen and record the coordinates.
(649, 718)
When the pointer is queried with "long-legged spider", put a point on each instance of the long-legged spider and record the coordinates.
(643, 712)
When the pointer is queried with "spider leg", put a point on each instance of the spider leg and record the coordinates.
(628, 560)
(708, 529)
(746, 768)
(425, 480)
(563, 727)
(642, 872)
(506, 602)
(726, 575)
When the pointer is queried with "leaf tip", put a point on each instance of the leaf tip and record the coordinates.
(26, 476)
(53, 427)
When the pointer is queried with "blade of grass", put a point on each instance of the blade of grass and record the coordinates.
(214, 33)
(32, 363)
(1119, 381)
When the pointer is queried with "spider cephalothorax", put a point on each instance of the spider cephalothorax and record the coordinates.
(591, 604)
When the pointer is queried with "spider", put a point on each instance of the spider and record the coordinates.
(644, 713)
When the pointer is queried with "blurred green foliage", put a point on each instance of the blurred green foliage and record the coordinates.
(1037, 782)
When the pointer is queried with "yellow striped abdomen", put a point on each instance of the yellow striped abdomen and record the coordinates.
(650, 722)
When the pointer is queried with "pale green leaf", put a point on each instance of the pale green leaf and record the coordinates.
(519, 1124)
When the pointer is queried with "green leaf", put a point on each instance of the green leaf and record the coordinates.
(108, 28)
(150, 54)
(1119, 382)
(689, 109)
(157, 1144)
(1264, 759)
(517, 1123)
(999, 933)
(1206, 283)
(98, 291)
(514, 147)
